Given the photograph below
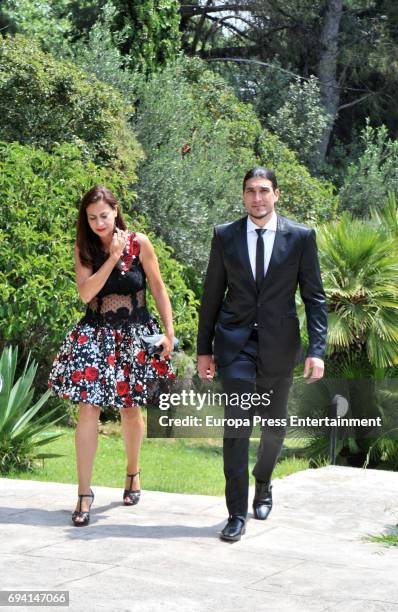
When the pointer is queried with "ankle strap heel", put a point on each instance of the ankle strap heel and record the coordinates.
(132, 495)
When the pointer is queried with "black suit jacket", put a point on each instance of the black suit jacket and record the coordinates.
(231, 304)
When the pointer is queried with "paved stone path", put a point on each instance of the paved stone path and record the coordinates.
(165, 554)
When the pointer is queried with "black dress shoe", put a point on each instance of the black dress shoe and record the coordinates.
(262, 502)
(233, 529)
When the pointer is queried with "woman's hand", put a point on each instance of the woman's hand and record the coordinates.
(119, 241)
(167, 342)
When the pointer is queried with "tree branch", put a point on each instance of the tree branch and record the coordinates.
(253, 61)
(199, 27)
(217, 24)
(191, 10)
(357, 101)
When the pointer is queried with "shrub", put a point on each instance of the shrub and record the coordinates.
(301, 120)
(21, 431)
(44, 101)
(374, 175)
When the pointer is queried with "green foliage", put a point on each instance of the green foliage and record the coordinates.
(151, 29)
(21, 431)
(192, 176)
(44, 101)
(99, 54)
(301, 120)
(47, 22)
(40, 194)
(360, 275)
(303, 197)
(374, 175)
(386, 216)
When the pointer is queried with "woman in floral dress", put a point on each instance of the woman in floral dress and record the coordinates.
(101, 361)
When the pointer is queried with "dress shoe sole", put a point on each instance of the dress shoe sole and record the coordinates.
(235, 538)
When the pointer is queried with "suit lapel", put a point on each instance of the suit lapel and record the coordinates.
(278, 249)
(244, 251)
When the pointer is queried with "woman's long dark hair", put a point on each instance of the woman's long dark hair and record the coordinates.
(88, 243)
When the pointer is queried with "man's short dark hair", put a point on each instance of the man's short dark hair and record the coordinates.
(264, 173)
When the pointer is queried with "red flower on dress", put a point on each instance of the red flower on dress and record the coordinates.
(128, 401)
(66, 396)
(141, 357)
(122, 387)
(118, 337)
(117, 354)
(82, 339)
(91, 373)
(135, 248)
(83, 394)
(77, 376)
(111, 360)
(126, 370)
(139, 388)
(160, 366)
(102, 381)
(171, 375)
(49, 384)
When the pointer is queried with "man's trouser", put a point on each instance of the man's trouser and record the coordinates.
(245, 375)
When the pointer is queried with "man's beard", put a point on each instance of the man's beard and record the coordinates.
(261, 215)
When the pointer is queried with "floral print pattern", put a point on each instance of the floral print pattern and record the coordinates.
(106, 365)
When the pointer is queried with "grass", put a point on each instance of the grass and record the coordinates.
(177, 465)
(388, 540)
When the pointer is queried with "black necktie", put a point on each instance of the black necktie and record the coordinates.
(259, 258)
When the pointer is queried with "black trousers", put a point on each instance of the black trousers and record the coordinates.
(242, 378)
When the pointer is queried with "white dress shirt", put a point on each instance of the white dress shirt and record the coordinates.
(268, 237)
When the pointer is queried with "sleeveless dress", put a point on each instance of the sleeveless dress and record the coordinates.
(101, 360)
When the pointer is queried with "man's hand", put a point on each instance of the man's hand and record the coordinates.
(314, 369)
(206, 367)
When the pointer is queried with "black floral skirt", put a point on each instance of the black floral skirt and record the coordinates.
(107, 366)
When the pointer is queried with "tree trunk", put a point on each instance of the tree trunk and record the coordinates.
(327, 68)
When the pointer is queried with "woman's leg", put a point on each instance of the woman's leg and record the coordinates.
(86, 439)
(133, 428)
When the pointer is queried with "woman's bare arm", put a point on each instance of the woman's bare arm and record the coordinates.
(151, 267)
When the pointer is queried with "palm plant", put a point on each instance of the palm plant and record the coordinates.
(387, 217)
(21, 431)
(360, 274)
(359, 262)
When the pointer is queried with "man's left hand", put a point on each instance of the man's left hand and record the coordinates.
(314, 368)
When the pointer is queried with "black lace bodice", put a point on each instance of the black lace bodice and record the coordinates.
(123, 297)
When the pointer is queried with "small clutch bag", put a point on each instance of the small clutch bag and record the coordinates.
(148, 343)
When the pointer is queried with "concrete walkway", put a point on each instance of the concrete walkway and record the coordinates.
(164, 554)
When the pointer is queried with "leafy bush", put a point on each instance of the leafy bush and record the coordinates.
(374, 175)
(21, 431)
(199, 141)
(301, 120)
(44, 101)
(151, 30)
(98, 54)
(45, 21)
(40, 195)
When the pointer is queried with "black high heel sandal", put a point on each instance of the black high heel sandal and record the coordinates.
(134, 496)
(84, 515)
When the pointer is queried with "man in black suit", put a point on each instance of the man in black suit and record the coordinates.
(248, 308)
